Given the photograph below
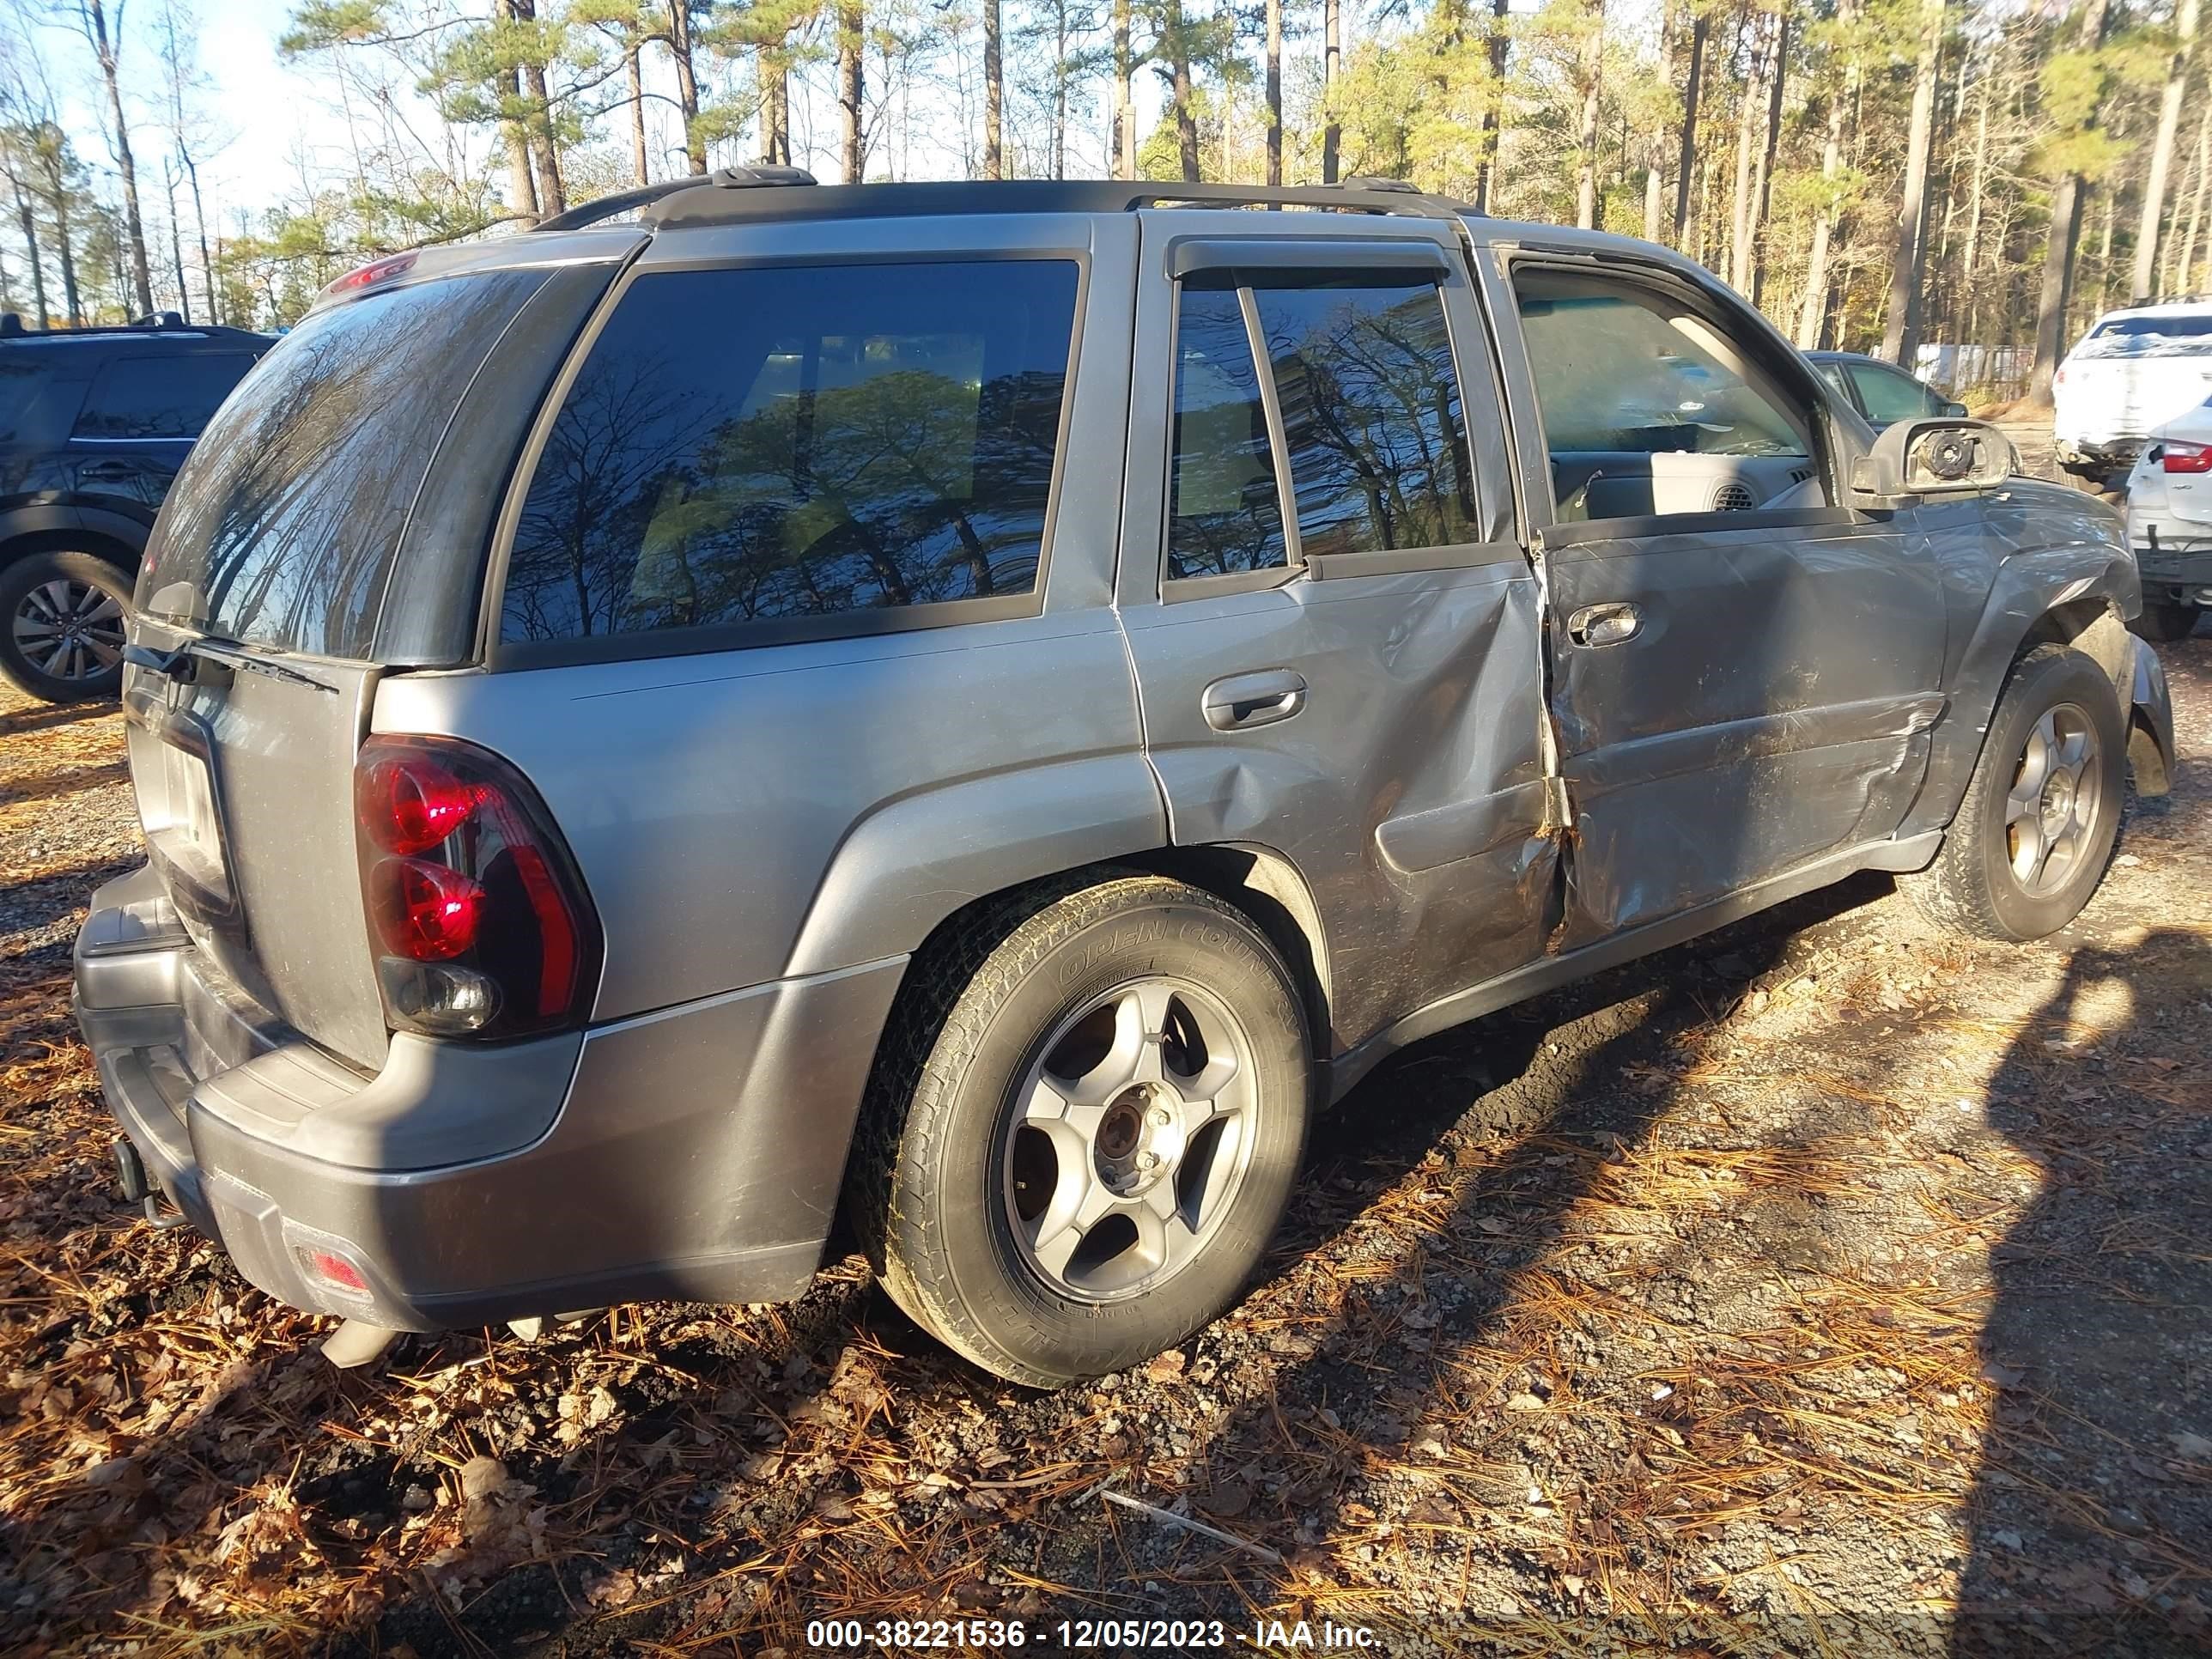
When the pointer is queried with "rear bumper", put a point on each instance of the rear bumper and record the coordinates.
(2173, 556)
(2112, 458)
(695, 1152)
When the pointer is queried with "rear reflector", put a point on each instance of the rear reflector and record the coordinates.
(480, 914)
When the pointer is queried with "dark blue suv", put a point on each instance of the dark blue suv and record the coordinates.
(94, 424)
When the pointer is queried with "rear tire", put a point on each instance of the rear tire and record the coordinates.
(62, 618)
(2032, 836)
(2164, 622)
(1049, 1185)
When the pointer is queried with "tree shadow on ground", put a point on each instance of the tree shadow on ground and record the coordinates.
(2097, 1468)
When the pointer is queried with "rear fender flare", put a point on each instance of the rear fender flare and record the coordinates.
(913, 861)
(53, 525)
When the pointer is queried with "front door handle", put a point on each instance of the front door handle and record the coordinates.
(1605, 624)
(1249, 700)
(107, 471)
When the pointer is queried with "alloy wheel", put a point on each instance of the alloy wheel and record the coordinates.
(70, 629)
(1127, 1139)
(2053, 805)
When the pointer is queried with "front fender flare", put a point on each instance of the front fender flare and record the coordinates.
(2091, 586)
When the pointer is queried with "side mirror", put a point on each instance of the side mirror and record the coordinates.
(1954, 409)
(1935, 457)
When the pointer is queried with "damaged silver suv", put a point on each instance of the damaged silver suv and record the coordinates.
(986, 707)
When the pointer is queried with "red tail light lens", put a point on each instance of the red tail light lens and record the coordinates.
(425, 912)
(2185, 458)
(483, 922)
(417, 804)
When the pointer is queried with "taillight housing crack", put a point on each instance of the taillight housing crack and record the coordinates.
(481, 921)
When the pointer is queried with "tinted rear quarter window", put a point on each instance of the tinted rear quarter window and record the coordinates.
(283, 525)
(798, 444)
(169, 396)
(39, 394)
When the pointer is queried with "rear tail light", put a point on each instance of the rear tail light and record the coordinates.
(2185, 457)
(480, 920)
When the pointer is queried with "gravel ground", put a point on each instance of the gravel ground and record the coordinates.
(1825, 1286)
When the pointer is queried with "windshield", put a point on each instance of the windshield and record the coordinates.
(283, 525)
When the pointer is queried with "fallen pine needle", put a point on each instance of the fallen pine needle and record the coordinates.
(1183, 1521)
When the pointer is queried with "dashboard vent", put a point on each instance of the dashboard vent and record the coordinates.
(1732, 497)
(1798, 475)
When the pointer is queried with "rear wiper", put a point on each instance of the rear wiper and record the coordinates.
(184, 666)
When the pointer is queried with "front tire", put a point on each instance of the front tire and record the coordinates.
(62, 617)
(1105, 1096)
(2162, 623)
(2032, 836)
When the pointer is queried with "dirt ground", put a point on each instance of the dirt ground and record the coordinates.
(1828, 1286)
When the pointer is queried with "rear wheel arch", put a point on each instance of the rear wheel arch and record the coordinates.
(1259, 883)
(989, 975)
(100, 543)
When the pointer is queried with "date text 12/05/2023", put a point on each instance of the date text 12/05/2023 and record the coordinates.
(1081, 1635)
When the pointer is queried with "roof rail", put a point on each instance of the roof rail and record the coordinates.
(12, 327)
(603, 208)
(721, 200)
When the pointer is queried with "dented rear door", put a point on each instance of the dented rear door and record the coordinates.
(1370, 713)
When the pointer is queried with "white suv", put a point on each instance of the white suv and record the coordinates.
(2132, 373)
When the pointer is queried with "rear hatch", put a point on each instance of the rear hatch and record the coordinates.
(2133, 375)
(330, 528)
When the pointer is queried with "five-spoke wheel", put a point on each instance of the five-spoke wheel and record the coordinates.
(2050, 812)
(1131, 1139)
(2032, 836)
(1087, 1125)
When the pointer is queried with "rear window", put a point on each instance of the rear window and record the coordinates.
(798, 445)
(167, 397)
(2181, 334)
(283, 525)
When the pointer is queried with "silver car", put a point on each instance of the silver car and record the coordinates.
(984, 708)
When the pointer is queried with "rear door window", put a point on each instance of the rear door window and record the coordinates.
(1362, 369)
(1373, 436)
(167, 397)
(801, 445)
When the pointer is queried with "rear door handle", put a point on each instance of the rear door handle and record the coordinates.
(1257, 699)
(107, 469)
(1605, 624)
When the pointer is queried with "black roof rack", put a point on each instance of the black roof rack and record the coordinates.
(601, 209)
(720, 199)
(161, 322)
